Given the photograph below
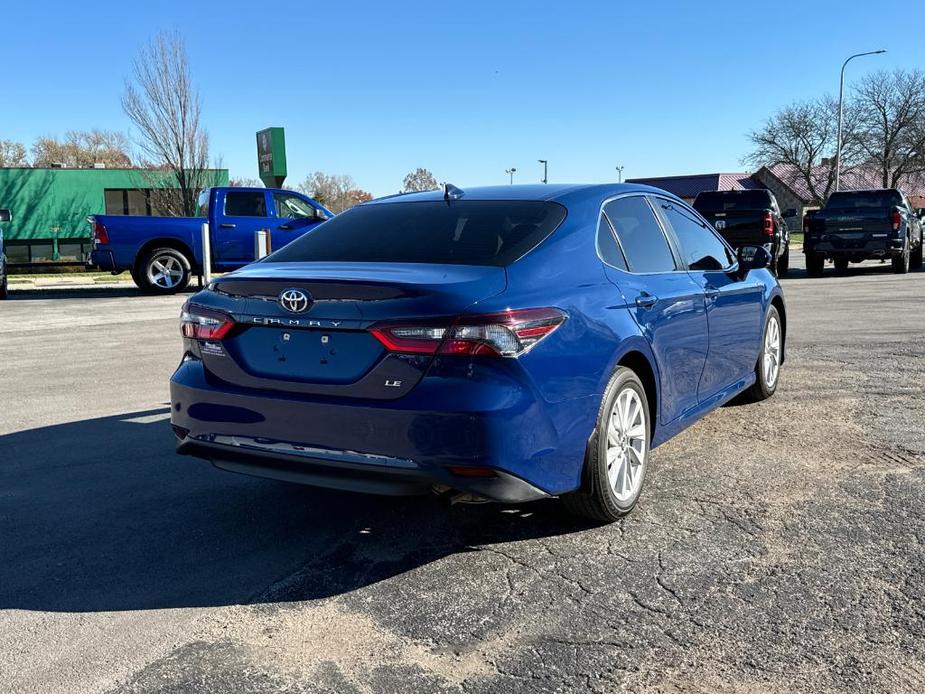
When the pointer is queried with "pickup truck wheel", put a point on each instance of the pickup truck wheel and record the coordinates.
(815, 264)
(164, 271)
(617, 454)
(767, 370)
(915, 259)
(783, 263)
(901, 262)
(841, 265)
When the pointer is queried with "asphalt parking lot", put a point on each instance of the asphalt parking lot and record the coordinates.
(777, 547)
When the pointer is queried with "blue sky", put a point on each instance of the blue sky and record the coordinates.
(466, 89)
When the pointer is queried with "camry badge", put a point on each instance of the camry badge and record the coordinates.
(295, 300)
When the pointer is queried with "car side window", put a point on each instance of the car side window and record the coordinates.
(701, 248)
(292, 207)
(607, 245)
(245, 204)
(641, 238)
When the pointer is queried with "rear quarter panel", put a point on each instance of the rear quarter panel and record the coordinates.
(129, 234)
(569, 371)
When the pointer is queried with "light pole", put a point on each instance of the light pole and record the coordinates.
(841, 94)
(511, 172)
(619, 174)
(545, 169)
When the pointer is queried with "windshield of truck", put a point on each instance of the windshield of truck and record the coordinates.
(867, 199)
(732, 200)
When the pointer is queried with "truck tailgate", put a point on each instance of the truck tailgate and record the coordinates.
(739, 227)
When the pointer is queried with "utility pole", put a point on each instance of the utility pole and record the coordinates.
(545, 169)
(841, 94)
(619, 174)
(511, 171)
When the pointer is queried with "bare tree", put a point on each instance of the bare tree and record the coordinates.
(245, 183)
(419, 180)
(12, 153)
(83, 149)
(802, 136)
(336, 192)
(164, 105)
(358, 197)
(892, 123)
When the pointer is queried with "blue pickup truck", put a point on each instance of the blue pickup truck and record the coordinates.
(162, 253)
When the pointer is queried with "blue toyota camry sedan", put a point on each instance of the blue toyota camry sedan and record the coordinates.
(504, 343)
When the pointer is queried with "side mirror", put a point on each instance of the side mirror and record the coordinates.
(320, 215)
(5, 215)
(752, 258)
(792, 212)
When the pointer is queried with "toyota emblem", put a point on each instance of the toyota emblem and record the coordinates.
(295, 300)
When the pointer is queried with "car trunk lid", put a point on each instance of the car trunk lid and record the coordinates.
(327, 348)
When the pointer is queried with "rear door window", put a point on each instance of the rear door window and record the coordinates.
(701, 249)
(607, 245)
(245, 204)
(643, 242)
(459, 233)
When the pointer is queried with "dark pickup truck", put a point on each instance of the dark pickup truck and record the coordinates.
(749, 218)
(859, 225)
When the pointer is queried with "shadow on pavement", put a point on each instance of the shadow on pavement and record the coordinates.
(869, 268)
(102, 515)
(102, 292)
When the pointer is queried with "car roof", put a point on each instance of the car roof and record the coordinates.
(565, 193)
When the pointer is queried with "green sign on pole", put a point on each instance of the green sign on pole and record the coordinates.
(271, 157)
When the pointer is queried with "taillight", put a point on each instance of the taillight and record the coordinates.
(507, 334)
(768, 224)
(896, 219)
(100, 235)
(198, 323)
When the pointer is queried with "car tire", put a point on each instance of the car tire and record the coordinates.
(623, 425)
(783, 263)
(4, 293)
(772, 348)
(815, 264)
(915, 259)
(841, 265)
(900, 262)
(163, 271)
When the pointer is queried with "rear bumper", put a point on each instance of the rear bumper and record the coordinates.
(102, 260)
(384, 447)
(368, 478)
(873, 248)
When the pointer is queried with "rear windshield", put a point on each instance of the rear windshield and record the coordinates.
(858, 200)
(727, 200)
(458, 233)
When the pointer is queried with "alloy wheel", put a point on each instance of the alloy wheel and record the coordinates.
(772, 352)
(627, 435)
(165, 272)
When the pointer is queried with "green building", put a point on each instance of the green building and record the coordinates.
(50, 207)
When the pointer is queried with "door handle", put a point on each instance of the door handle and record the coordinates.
(287, 227)
(710, 292)
(646, 300)
(226, 225)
